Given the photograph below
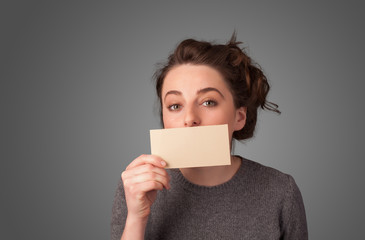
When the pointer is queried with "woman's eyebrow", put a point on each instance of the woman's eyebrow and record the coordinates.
(209, 89)
(173, 92)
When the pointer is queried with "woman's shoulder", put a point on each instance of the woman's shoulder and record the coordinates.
(278, 190)
(255, 167)
(267, 177)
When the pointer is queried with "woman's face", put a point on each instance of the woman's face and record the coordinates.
(197, 95)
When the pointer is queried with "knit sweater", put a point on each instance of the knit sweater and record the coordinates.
(259, 202)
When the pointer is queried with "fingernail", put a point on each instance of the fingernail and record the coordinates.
(163, 163)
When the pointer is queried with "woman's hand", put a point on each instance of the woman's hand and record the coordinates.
(142, 178)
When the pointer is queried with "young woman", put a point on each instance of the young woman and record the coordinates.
(209, 84)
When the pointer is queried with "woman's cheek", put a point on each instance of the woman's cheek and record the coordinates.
(171, 120)
(216, 117)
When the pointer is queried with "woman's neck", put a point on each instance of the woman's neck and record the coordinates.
(212, 176)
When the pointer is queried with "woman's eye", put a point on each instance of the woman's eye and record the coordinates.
(174, 107)
(209, 103)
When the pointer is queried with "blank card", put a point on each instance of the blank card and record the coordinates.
(192, 146)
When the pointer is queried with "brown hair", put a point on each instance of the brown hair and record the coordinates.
(246, 81)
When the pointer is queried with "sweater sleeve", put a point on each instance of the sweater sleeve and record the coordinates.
(119, 213)
(294, 223)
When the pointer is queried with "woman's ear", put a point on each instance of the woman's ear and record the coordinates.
(240, 120)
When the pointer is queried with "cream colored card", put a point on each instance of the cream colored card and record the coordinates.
(192, 146)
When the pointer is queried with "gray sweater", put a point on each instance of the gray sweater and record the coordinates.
(257, 203)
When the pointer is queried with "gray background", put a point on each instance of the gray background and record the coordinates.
(77, 103)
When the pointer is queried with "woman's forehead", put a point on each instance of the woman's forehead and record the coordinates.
(190, 77)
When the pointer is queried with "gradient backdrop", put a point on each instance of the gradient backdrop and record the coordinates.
(77, 102)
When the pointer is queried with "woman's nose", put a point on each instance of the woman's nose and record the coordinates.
(192, 118)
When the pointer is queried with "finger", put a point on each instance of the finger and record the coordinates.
(144, 169)
(147, 177)
(143, 159)
(141, 189)
(149, 186)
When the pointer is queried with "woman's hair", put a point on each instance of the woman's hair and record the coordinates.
(246, 81)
